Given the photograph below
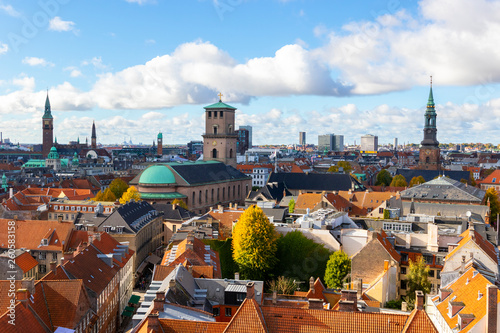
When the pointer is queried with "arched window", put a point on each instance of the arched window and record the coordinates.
(199, 197)
(206, 196)
(231, 153)
(234, 193)
(193, 197)
(212, 195)
(214, 153)
(229, 192)
(218, 197)
(223, 193)
(230, 129)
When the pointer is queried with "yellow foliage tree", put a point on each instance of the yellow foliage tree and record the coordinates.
(254, 243)
(107, 195)
(180, 202)
(131, 193)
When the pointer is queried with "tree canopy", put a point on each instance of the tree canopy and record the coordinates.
(417, 181)
(107, 195)
(337, 268)
(345, 165)
(131, 193)
(282, 285)
(118, 187)
(384, 178)
(399, 181)
(492, 197)
(418, 278)
(254, 243)
(180, 202)
(300, 257)
(291, 205)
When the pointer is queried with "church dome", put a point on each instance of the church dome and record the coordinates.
(157, 175)
(53, 154)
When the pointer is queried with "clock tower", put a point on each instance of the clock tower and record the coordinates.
(219, 140)
(430, 154)
(47, 129)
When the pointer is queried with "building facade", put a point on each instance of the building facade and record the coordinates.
(369, 142)
(302, 138)
(326, 142)
(249, 129)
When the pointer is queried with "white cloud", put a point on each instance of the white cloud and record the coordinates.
(150, 41)
(96, 62)
(73, 71)
(57, 24)
(4, 48)
(34, 61)
(10, 10)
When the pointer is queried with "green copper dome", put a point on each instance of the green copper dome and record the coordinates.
(157, 174)
(53, 153)
(160, 135)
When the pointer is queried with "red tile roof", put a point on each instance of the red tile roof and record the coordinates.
(26, 262)
(482, 243)
(382, 238)
(26, 321)
(248, 318)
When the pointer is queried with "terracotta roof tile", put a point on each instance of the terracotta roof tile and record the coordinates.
(161, 272)
(308, 200)
(26, 262)
(188, 326)
(248, 318)
(382, 238)
(26, 321)
(419, 322)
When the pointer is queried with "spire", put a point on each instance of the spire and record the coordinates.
(94, 136)
(430, 102)
(47, 114)
(55, 140)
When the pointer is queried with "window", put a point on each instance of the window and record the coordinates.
(78, 208)
(231, 153)
(174, 228)
(84, 209)
(403, 270)
(238, 190)
(214, 153)
(403, 284)
(90, 209)
(199, 197)
(404, 256)
(42, 268)
(228, 312)
(438, 274)
(431, 273)
(218, 197)
(42, 255)
(67, 207)
(209, 114)
(215, 129)
(54, 255)
(234, 193)
(73, 208)
(223, 193)
(216, 312)
(206, 196)
(428, 259)
(215, 114)
(381, 211)
(56, 207)
(193, 197)
(221, 114)
(240, 297)
(212, 195)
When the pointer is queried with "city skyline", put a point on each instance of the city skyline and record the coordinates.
(138, 67)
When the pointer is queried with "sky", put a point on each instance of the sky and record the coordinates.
(139, 67)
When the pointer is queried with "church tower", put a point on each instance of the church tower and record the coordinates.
(94, 137)
(219, 140)
(430, 154)
(160, 144)
(47, 128)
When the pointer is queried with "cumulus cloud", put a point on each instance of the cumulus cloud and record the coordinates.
(73, 71)
(9, 10)
(4, 48)
(57, 24)
(34, 61)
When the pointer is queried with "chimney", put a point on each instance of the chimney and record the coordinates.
(107, 258)
(59, 218)
(22, 296)
(348, 301)
(159, 301)
(171, 284)
(11, 192)
(462, 265)
(451, 247)
(315, 303)
(220, 208)
(190, 241)
(359, 288)
(275, 297)
(153, 323)
(419, 300)
(404, 307)
(236, 276)
(190, 269)
(53, 266)
(491, 309)
(251, 290)
(311, 285)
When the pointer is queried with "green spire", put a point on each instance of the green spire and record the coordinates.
(55, 139)
(430, 102)
(78, 140)
(47, 114)
(4, 181)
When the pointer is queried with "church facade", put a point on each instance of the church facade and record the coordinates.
(430, 154)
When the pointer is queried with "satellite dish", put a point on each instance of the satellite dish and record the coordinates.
(468, 214)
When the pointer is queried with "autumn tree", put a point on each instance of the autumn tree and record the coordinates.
(418, 278)
(345, 165)
(254, 244)
(107, 195)
(131, 193)
(399, 181)
(384, 178)
(492, 197)
(118, 187)
(337, 268)
(282, 285)
(291, 205)
(180, 203)
(417, 181)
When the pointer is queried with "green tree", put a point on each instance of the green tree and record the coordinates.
(337, 268)
(341, 164)
(399, 181)
(418, 278)
(131, 193)
(383, 178)
(254, 244)
(387, 215)
(300, 257)
(118, 187)
(417, 181)
(107, 195)
(333, 168)
(180, 202)
(291, 205)
(492, 198)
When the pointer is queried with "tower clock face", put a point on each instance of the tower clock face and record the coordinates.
(427, 152)
(214, 143)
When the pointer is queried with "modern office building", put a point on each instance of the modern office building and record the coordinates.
(302, 138)
(249, 129)
(369, 142)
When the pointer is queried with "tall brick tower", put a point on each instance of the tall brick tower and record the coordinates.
(430, 154)
(160, 144)
(94, 137)
(219, 140)
(47, 128)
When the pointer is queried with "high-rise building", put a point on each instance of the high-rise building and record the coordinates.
(338, 143)
(47, 128)
(395, 143)
(369, 142)
(326, 143)
(249, 129)
(242, 144)
(430, 153)
(302, 138)
(219, 140)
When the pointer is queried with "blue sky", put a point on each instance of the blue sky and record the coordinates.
(137, 67)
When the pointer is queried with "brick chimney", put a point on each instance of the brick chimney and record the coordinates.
(190, 241)
(348, 301)
(311, 285)
(462, 266)
(236, 276)
(491, 308)
(359, 288)
(419, 300)
(251, 290)
(153, 323)
(53, 266)
(275, 297)
(22, 296)
(315, 303)
(159, 301)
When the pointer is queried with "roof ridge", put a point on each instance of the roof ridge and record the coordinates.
(46, 305)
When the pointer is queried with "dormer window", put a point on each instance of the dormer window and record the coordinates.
(45, 242)
(107, 229)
